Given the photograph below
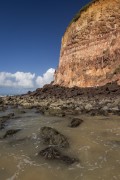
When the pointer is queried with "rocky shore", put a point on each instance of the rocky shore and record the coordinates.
(61, 101)
(72, 105)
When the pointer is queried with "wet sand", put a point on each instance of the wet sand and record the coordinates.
(96, 143)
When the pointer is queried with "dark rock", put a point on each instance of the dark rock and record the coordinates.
(51, 153)
(93, 113)
(4, 119)
(98, 112)
(103, 112)
(117, 113)
(51, 136)
(2, 124)
(11, 132)
(9, 116)
(56, 91)
(75, 122)
(69, 160)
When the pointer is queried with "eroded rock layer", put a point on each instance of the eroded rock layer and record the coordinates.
(90, 51)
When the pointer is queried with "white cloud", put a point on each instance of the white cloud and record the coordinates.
(25, 80)
(46, 78)
(17, 80)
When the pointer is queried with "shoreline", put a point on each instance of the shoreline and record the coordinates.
(51, 128)
(61, 101)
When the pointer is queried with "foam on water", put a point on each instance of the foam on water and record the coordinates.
(95, 143)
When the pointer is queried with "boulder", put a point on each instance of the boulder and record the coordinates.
(52, 153)
(11, 132)
(75, 122)
(51, 136)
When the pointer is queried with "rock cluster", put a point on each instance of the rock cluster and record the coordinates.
(56, 142)
(61, 101)
(53, 137)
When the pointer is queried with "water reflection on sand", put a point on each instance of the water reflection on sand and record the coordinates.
(96, 142)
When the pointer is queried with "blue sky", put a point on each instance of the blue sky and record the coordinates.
(30, 40)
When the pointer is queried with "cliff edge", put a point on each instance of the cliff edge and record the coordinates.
(90, 50)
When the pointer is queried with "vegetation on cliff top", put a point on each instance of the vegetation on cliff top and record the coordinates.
(84, 8)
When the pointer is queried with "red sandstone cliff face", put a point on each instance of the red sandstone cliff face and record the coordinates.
(90, 51)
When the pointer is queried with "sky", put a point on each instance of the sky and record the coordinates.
(30, 41)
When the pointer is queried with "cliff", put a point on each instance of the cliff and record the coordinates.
(90, 50)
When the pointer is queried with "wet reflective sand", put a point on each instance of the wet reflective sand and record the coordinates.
(96, 142)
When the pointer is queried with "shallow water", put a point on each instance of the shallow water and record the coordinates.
(96, 143)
